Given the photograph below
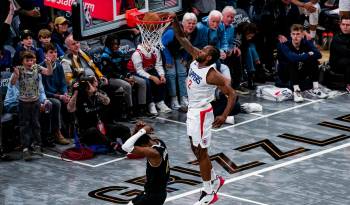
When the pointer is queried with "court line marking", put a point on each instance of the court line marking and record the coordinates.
(268, 115)
(85, 164)
(108, 162)
(256, 114)
(65, 160)
(258, 175)
(241, 199)
(267, 169)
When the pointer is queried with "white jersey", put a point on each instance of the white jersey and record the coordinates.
(199, 92)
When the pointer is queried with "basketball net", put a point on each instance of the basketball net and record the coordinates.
(151, 31)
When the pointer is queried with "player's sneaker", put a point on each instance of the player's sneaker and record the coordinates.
(317, 92)
(162, 107)
(206, 199)
(217, 183)
(298, 97)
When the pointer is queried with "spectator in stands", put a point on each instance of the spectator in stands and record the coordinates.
(27, 44)
(56, 90)
(44, 37)
(114, 66)
(90, 105)
(5, 60)
(245, 33)
(340, 51)
(298, 59)
(175, 70)
(228, 45)
(5, 26)
(33, 15)
(29, 106)
(60, 32)
(208, 33)
(148, 65)
(313, 17)
(77, 63)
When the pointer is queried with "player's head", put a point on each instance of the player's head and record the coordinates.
(208, 55)
(214, 19)
(143, 141)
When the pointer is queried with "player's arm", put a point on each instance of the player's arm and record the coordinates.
(215, 78)
(151, 154)
(181, 37)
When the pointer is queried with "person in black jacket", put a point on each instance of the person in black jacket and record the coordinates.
(340, 51)
(298, 58)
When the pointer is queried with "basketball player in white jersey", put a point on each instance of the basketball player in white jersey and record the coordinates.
(202, 81)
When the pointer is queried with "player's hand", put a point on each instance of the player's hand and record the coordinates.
(219, 120)
(148, 129)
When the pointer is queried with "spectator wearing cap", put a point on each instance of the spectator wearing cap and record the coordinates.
(26, 44)
(44, 37)
(60, 32)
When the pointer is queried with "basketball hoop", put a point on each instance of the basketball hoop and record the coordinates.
(151, 30)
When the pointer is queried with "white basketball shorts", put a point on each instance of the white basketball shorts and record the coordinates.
(199, 123)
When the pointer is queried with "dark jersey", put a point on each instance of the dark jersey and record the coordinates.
(157, 177)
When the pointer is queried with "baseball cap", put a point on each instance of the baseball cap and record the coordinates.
(60, 20)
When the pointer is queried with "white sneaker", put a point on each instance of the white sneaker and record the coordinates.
(184, 101)
(317, 92)
(152, 108)
(230, 120)
(251, 107)
(162, 107)
(206, 199)
(174, 103)
(217, 183)
(298, 97)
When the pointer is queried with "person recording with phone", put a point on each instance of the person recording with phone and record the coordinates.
(90, 105)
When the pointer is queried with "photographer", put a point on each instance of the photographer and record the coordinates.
(89, 103)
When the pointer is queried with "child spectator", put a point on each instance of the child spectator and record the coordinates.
(44, 37)
(56, 90)
(27, 44)
(29, 106)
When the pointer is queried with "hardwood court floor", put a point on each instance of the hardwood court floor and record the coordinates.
(290, 153)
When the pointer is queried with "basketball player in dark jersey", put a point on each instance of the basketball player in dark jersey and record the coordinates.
(157, 171)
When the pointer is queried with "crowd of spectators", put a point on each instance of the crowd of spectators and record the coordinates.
(57, 88)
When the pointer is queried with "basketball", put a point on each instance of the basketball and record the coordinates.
(151, 16)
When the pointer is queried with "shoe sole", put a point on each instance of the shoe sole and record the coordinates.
(215, 199)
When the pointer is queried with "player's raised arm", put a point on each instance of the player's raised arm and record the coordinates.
(181, 37)
(216, 78)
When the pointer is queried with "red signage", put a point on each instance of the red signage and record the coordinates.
(98, 9)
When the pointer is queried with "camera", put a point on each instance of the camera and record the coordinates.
(83, 82)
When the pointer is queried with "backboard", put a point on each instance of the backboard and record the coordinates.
(93, 18)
